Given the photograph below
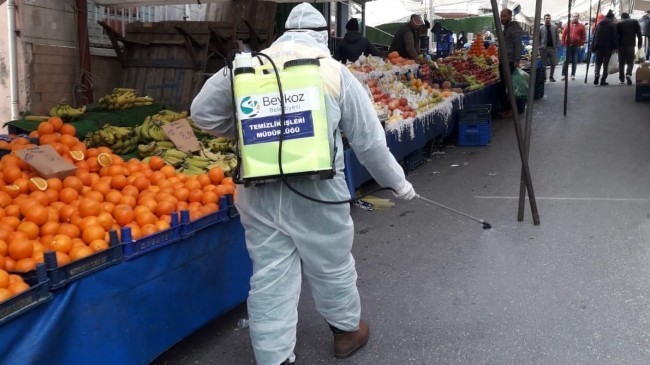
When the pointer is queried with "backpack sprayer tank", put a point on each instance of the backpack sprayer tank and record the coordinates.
(305, 145)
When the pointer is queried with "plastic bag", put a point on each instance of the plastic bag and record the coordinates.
(520, 83)
(639, 57)
(613, 64)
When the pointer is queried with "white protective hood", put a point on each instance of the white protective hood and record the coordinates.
(300, 24)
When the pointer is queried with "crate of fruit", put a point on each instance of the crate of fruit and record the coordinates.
(62, 275)
(134, 248)
(190, 227)
(22, 295)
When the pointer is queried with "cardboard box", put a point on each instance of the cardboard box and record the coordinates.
(643, 73)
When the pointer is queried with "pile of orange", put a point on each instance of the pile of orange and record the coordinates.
(72, 216)
(10, 285)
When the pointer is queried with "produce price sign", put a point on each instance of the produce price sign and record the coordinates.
(181, 134)
(46, 161)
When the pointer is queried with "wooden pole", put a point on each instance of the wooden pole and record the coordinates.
(503, 60)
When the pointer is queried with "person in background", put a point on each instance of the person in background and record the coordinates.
(354, 44)
(406, 40)
(644, 22)
(462, 40)
(549, 40)
(289, 237)
(629, 37)
(605, 42)
(573, 43)
(512, 38)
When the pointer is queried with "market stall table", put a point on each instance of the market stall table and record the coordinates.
(131, 312)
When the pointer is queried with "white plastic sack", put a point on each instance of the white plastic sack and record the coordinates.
(613, 64)
(639, 57)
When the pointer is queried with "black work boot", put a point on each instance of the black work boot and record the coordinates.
(347, 343)
(596, 77)
(289, 362)
(603, 82)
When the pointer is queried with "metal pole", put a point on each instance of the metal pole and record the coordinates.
(529, 111)
(566, 58)
(13, 61)
(503, 60)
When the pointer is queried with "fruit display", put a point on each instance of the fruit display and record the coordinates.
(65, 111)
(122, 98)
(121, 140)
(151, 129)
(216, 152)
(73, 215)
(10, 284)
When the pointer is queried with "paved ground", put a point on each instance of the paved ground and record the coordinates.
(437, 289)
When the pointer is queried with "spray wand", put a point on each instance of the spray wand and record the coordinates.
(486, 225)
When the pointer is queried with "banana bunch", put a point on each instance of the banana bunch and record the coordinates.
(154, 148)
(174, 157)
(122, 140)
(151, 130)
(122, 98)
(198, 132)
(226, 161)
(222, 144)
(168, 116)
(65, 111)
(195, 165)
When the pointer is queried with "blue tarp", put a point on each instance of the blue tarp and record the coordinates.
(132, 312)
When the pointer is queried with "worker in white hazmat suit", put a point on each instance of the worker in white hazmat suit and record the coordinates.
(285, 232)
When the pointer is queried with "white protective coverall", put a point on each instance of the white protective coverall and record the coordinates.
(285, 232)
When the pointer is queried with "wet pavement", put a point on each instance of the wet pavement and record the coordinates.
(438, 289)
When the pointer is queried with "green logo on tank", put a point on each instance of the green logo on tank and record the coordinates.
(249, 107)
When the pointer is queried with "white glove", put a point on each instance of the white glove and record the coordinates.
(405, 192)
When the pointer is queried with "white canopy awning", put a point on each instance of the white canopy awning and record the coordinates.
(127, 3)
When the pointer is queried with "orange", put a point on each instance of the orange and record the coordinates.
(161, 224)
(49, 228)
(105, 220)
(3, 248)
(193, 184)
(68, 195)
(68, 129)
(195, 196)
(102, 186)
(141, 183)
(39, 197)
(145, 218)
(92, 233)
(37, 214)
(209, 197)
(98, 245)
(61, 243)
(216, 175)
(168, 170)
(20, 249)
(52, 196)
(89, 207)
(156, 163)
(25, 265)
(131, 191)
(5, 294)
(119, 182)
(69, 230)
(54, 183)
(45, 128)
(18, 287)
(73, 182)
(123, 214)
(70, 141)
(181, 193)
(94, 196)
(88, 222)
(12, 221)
(23, 185)
(4, 279)
(9, 264)
(84, 176)
(62, 259)
(11, 174)
(56, 122)
(30, 229)
(81, 252)
(148, 229)
(204, 180)
(5, 199)
(113, 196)
(104, 160)
(12, 190)
(164, 207)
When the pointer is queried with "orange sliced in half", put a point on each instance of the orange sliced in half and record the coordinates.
(77, 155)
(104, 159)
(37, 183)
(12, 190)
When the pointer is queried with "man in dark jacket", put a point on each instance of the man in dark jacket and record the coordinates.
(629, 36)
(406, 40)
(354, 44)
(605, 41)
(512, 38)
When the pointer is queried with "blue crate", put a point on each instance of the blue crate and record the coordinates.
(476, 113)
(133, 249)
(61, 276)
(37, 294)
(230, 203)
(189, 228)
(474, 134)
